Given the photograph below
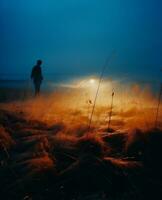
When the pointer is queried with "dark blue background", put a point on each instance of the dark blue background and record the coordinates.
(76, 36)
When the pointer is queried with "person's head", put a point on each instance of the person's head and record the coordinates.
(39, 62)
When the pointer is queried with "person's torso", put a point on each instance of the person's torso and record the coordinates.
(37, 74)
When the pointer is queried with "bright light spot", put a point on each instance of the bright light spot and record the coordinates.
(92, 81)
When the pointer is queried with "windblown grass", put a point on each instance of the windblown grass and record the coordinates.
(45, 161)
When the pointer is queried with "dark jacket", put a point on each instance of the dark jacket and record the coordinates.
(36, 74)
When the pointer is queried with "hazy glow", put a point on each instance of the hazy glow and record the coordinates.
(133, 106)
(92, 81)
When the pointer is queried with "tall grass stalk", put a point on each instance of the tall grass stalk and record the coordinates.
(98, 87)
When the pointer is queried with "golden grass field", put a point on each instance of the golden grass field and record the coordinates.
(49, 149)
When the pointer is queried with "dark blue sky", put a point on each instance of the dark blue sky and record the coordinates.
(76, 36)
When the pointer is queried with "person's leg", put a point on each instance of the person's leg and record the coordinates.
(37, 88)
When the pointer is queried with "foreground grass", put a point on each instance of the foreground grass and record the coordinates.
(38, 161)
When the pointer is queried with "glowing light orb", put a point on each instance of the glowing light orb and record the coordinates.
(92, 81)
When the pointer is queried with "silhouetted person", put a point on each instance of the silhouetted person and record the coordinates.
(37, 77)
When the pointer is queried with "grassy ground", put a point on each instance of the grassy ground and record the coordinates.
(40, 162)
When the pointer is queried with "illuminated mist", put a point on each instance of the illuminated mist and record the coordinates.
(71, 104)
